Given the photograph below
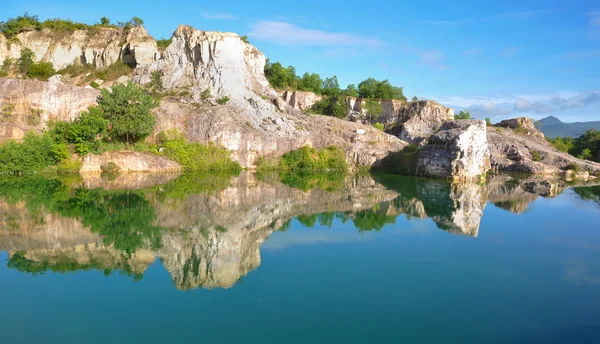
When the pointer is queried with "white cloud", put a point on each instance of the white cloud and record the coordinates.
(287, 34)
(432, 58)
(569, 105)
(219, 16)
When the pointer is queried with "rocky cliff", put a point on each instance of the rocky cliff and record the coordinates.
(99, 47)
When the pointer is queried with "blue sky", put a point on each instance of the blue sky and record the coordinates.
(499, 59)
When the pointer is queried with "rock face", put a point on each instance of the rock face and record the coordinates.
(526, 151)
(218, 61)
(459, 150)
(300, 100)
(29, 104)
(128, 161)
(521, 124)
(250, 135)
(100, 47)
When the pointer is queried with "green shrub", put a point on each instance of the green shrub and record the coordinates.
(94, 84)
(25, 60)
(3, 73)
(488, 122)
(536, 156)
(379, 126)
(245, 39)
(41, 70)
(463, 114)
(34, 154)
(156, 84)
(163, 43)
(196, 156)
(585, 154)
(308, 159)
(223, 100)
(327, 106)
(68, 166)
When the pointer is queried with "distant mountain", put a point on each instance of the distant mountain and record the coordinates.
(553, 127)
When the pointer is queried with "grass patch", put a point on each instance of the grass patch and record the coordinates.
(196, 156)
(379, 126)
(536, 156)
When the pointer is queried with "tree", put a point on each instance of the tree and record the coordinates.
(368, 88)
(415, 99)
(26, 60)
(137, 21)
(156, 83)
(311, 82)
(127, 108)
(331, 87)
(280, 77)
(351, 91)
(488, 122)
(244, 39)
(104, 21)
(463, 114)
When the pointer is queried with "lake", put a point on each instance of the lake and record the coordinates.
(297, 259)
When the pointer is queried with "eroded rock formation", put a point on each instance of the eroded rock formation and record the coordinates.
(100, 47)
(30, 104)
(127, 161)
(458, 151)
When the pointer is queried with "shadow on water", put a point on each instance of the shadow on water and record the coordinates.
(126, 223)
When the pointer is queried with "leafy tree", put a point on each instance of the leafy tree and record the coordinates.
(156, 84)
(351, 91)
(563, 144)
(137, 21)
(104, 21)
(331, 87)
(368, 88)
(463, 114)
(280, 77)
(311, 82)
(586, 153)
(244, 39)
(488, 122)
(127, 108)
(415, 99)
(26, 60)
(163, 43)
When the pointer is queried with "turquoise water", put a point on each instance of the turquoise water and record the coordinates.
(250, 261)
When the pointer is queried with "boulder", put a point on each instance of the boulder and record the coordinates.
(414, 122)
(523, 125)
(459, 151)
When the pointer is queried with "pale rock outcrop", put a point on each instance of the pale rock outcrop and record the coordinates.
(459, 151)
(522, 124)
(526, 150)
(219, 61)
(253, 134)
(30, 104)
(100, 47)
(128, 161)
(300, 100)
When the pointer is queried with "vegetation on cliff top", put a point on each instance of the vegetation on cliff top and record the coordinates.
(14, 26)
(285, 78)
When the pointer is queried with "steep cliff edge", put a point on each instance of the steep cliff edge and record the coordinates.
(99, 47)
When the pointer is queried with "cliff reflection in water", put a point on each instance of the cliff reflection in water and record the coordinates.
(207, 230)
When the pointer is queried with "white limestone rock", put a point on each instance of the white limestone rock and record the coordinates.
(458, 150)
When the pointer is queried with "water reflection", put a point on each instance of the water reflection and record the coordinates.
(207, 230)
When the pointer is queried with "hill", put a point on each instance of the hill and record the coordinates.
(554, 127)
